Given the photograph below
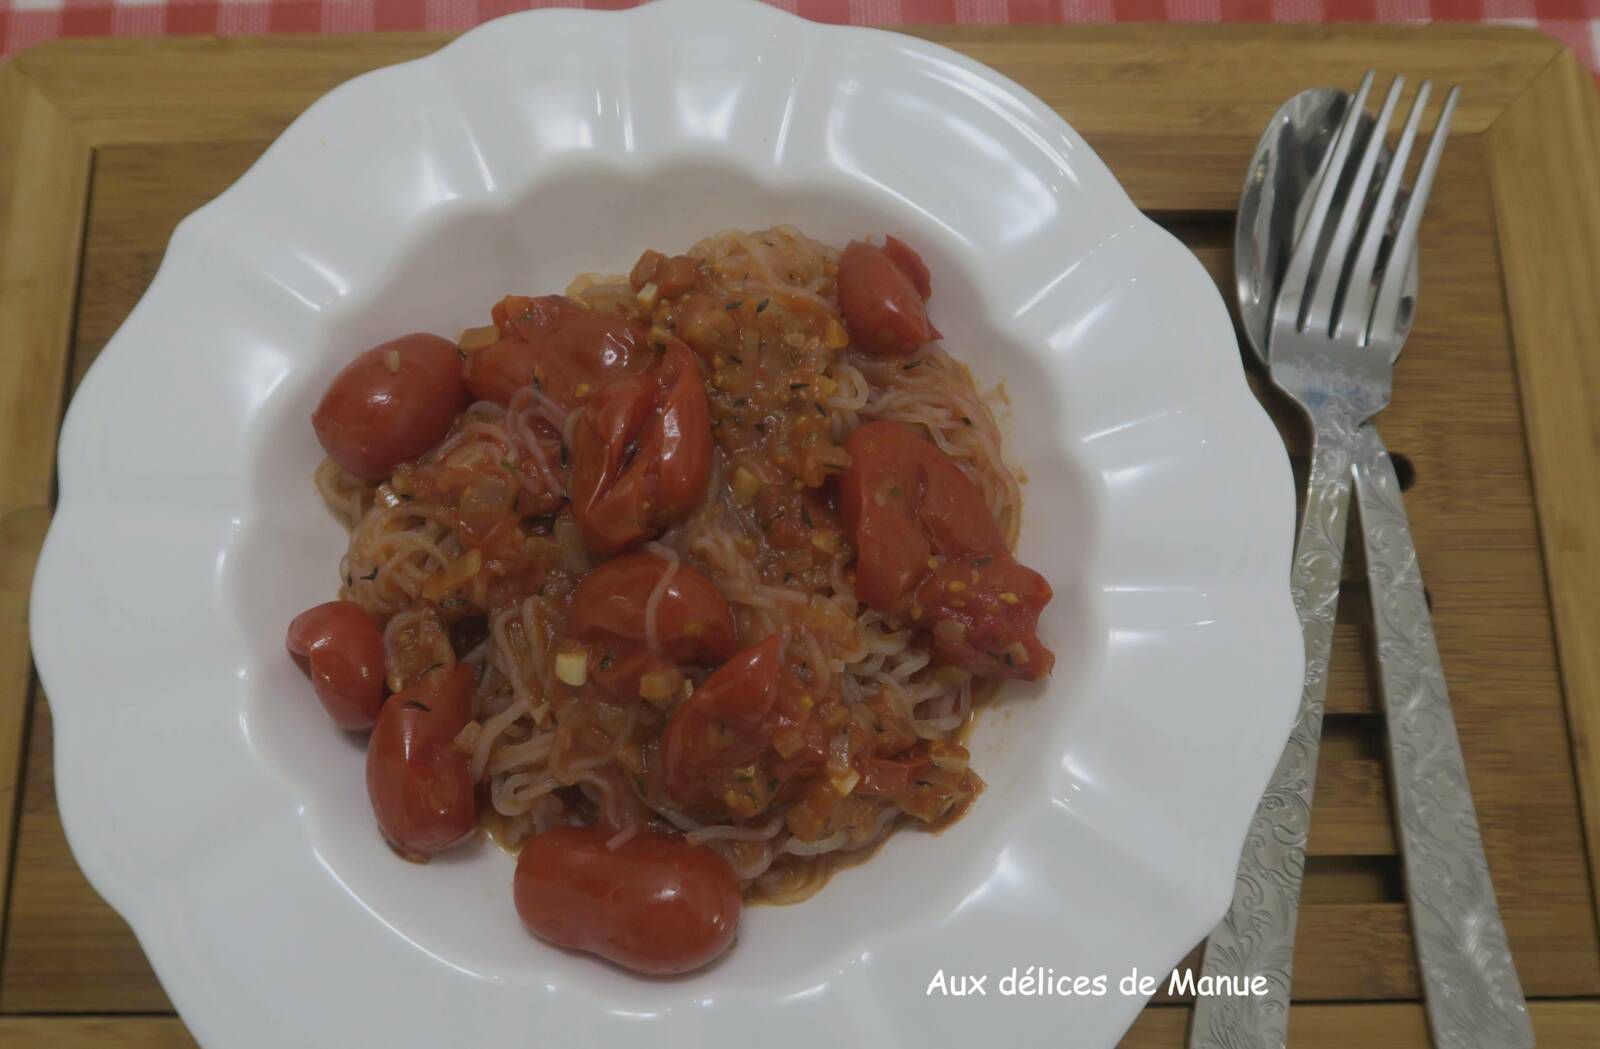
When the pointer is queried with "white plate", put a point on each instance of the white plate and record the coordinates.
(201, 787)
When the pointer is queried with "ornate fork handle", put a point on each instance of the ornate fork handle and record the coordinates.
(1474, 1000)
(1256, 938)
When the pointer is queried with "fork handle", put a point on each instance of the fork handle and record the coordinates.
(1474, 1000)
(1256, 937)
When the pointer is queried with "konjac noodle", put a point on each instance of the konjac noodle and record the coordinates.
(692, 573)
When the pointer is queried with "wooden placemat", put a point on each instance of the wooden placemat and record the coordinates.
(105, 145)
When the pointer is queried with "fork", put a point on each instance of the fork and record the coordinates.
(1338, 324)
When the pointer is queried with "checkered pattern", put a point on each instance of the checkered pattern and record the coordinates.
(26, 22)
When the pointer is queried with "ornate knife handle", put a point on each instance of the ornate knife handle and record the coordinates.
(1256, 938)
(1474, 1000)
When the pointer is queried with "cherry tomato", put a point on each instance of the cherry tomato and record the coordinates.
(693, 620)
(391, 404)
(655, 904)
(641, 454)
(904, 500)
(715, 749)
(693, 624)
(907, 261)
(881, 294)
(985, 612)
(928, 548)
(341, 648)
(420, 784)
(571, 351)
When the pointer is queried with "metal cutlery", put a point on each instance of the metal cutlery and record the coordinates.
(1279, 191)
(1340, 315)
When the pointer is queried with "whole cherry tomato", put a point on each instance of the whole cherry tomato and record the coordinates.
(341, 648)
(882, 292)
(420, 784)
(391, 404)
(655, 904)
(641, 454)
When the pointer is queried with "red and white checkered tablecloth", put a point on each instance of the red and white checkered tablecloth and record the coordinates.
(27, 22)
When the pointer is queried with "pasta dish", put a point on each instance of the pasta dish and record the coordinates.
(684, 584)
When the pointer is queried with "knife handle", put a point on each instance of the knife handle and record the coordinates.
(1256, 937)
(1473, 997)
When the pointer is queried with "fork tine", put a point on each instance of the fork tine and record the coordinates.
(1319, 315)
(1385, 316)
(1356, 310)
(1293, 288)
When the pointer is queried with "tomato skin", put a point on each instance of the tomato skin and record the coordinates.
(641, 454)
(877, 500)
(881, 294)
(693, 620)
(420, 784)
(905, 501)
(655, 904)
(498, 371)
(571, 350)
(907, 261)
(341, 649)
(391, 404)
(997, 606)
(929, 549)
(729, 722)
